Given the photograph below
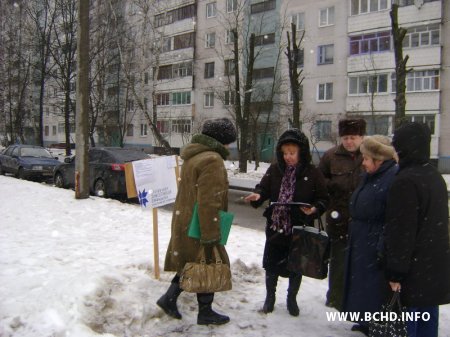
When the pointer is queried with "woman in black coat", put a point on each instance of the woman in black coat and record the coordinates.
(291, 179)
(365, 285)
(416, 233)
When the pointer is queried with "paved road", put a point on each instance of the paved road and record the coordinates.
(244, 214)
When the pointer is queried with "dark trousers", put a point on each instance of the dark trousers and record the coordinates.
(336, 274)
(427, 325)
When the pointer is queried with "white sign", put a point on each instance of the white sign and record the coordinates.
(155, 181)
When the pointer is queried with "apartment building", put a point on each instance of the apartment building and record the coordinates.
(347, 64)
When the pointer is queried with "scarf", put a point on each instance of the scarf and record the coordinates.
(281, 219)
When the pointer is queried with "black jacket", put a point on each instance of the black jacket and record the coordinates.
(416, 232)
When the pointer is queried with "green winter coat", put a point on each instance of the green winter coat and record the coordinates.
(203, 180)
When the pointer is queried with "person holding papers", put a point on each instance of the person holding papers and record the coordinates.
(203, 182)
(291, 180)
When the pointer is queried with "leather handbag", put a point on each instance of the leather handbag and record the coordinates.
(394, 325)
(201, 277)
(309, 252)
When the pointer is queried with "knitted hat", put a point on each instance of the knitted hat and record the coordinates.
(221, 129)
(356, 127)
(378, 147)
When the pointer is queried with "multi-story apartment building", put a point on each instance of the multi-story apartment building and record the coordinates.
(347, 64)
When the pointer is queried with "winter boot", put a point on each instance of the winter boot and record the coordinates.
(294, 285)
(271, 288)
(205, 313)
(168, 301)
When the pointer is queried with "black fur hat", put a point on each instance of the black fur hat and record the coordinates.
(355, 127)
(221, 129)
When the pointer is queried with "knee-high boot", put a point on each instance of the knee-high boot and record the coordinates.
(271, 288)
(294, 285)
(205, 313)
(168, 301)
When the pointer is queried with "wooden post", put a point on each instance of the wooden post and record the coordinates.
(155, 243)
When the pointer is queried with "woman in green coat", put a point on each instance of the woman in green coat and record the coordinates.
(203, 181)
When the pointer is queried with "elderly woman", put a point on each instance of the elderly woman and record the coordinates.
(291, 179)
(365, 285)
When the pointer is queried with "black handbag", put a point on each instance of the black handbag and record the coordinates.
(310, 251)
(393, 323)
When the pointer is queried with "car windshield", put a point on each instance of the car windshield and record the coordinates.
(127, 155)
(34, 152)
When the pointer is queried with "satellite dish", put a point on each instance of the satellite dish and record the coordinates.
(418, 3)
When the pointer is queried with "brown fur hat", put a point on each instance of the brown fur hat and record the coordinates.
(352, 127)
(378, 147)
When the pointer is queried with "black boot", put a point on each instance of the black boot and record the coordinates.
(168, 301)
(205, 313)
(294, 285)
(271, 288)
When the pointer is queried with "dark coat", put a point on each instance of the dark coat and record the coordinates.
(203, 180)
(416, 232)
(365, 285)
(342, 171)
(309, 188)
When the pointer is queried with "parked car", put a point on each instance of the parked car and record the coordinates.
(106, 170)
(28, 162)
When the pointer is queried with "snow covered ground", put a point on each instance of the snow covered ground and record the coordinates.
(84, 268)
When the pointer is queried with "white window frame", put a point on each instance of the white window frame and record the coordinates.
(326, 16)
(361, 85)
(144, 130)
(208, 101)
(418, 33)
(229, 37)
(229, 98)
(210, 40)
(323, 130)
(325, 88)
(299, 20)
(291, 97)
(323, 52)
(420, 81)
(367, 6)
(231, 5)
(211, 10)
(184, 96)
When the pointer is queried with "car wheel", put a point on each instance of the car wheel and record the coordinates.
(59, 180)
(100, 189)
(20, 173)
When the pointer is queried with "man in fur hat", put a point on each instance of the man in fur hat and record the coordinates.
(341, 166)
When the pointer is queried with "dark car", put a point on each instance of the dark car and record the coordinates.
(106, 170)
(28, 162)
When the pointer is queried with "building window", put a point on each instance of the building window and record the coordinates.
(46, 130)
(162, 126)
(260, 73)
(261, 40)
(182, 69)
(299, 20)
(229, 38)
(367, 6)
(360, 85)
(210, 40)
(209, 99)
(163, 99)
(377, 125)
(211, 10)
(146, 77)
(402, 3)
(130, 129)
(326, 17)
(143, 130)
(181, 98)
(325, 54)
(181, 126)
(231, 5)
(370, 43)
(165, 72)
(54, 130)
(323, 130)
(174, 15)
(424, 119)
(130, 105)
(300, 92)
(422, 36)
(263, 6)
(229, 98)
(209, 70)
(325, 92)
(427, 80)
(229, 67)
(183, 41)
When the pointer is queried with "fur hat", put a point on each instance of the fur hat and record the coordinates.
(221, 129)
(378, 147)
(352, 127)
